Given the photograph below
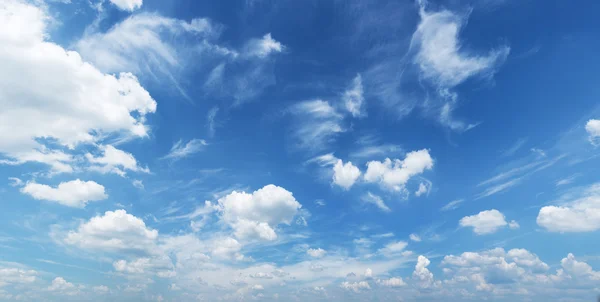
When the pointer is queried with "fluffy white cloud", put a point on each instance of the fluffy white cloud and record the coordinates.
(392, 282)
(263, 47)
(421, 274)
(395, 174)
(114, 160)
(355, 286)
(75, 193)
(345, 175)
(486, 222)
(376, 200)
(579, 215)
(101, 289)
(579, 269)
(316, 253)
(161, 266)
(81, 105)
(353, 98)
(181, 150)
(11, 275)
(593, 129)
(62, 286)
(439, 54)
(114, 231)
(255, 215)
(127, 5)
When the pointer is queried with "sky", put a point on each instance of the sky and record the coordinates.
(318, 150)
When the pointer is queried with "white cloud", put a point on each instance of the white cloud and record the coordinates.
(579, 269)
(316, 253)
(75, 193)
(392, 282)
(15, 182)
(82, 105)
(452, 205)
(394, 175)
(62, 286)
(513, 225)
(101, 289)
(440, 56)
(415, 237)
(353, 98)
(263, 47)
(486, 222)
(160, 266)
(317, 124)
(593, 129)
(355, 286)
(423, 189)
(211, 124)
(138, 184)
(421, 274)
(114, 160)
(579, 215)
(255, 215)
(127, 5)
(345, 175)
(181, 150)
(393, 248)
(15, 276)
(114, 231)
(376, 200)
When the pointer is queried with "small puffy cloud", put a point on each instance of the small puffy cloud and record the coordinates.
(578, 215)
(593, 129)
(15, 182)
(353, 98)
(345, 175)
(75, 193)
(415, 237)
(376, 200)
(138, 184)
(61, 286)
(115, 161)
(255, 215)
(316, 253)
(513, 225)
(181, 150)
(127, 5)
(423, 189)
(113, 231)
(395, 174)
(579, 269)
(15, 276)
(392, 282)
(263, 47)
(101, 289)
(355, 286)
(486, 222)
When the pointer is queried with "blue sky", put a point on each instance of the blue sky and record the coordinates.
(299, 150)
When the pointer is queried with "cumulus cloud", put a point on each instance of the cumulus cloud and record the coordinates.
(113, 231)
(421, 274)
(486, 222)
(355, 286)
(393, 248)
(353, 98)
(75, 193)
(114, 161)
(255, 215)
(423, 189)
(181, 150)
(345, 175)
(316, 253)
(581, 214)
(593, 129)
(395, 174)
(415, 237)
(61, 286)
(127, 5)
(84, 106)
(375, 200)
